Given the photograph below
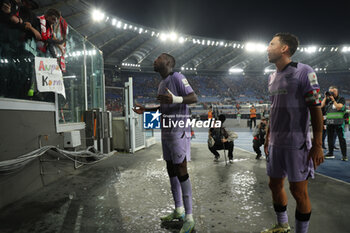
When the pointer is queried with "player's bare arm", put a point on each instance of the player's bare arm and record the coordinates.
(316, 152)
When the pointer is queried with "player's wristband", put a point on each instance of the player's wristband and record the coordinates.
(176, 99)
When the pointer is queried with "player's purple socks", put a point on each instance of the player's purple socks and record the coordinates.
(301, 226)
(186, 193)
(302, 222)
(281, 213)
(176, 190)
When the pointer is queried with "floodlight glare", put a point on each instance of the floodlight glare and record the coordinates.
(181, 40)
(97, 15)
(267, 70)
(173, 36)
(119, 24)
(254, 47)
(311, 49)
(163, 37)
(235, 70)
(114, 21)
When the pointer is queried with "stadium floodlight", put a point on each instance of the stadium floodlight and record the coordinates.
(254, 47)
(182, 68)
(332, 49)
(181, 40)
(235, 70)
(311, 49)
(130, 26)
(203, 42)
(208, 42)
(125, 26)
(221, 43)
(114, 21)
(194, 41)
(173, 36)
(97, 15)
(140, 30)
(345, 49)
(195, 68)
(163, 37)
(119, 24)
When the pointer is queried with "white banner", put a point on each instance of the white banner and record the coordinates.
(49, 76)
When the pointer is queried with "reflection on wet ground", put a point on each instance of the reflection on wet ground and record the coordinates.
(128, 193)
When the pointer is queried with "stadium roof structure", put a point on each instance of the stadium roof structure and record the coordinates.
(128, 46)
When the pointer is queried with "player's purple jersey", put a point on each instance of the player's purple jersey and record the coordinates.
(179, 86)
(291, 91)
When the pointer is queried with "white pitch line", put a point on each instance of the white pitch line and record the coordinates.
(332, 178)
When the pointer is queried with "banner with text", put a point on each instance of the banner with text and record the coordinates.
(49, 76)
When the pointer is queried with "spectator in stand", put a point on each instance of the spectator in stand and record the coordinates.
(11, 13)
(48, 40)
(210, 113)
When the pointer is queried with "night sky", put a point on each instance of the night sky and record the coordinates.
(314, 22)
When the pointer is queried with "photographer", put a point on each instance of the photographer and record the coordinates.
(220, 138)
(259, 137)
(335, 110)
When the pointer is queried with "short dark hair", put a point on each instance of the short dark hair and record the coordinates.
(54, 12)
(222, 118)
(289, 39)
(171, 59)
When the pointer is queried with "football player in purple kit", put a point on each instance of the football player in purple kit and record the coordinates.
(294, 94)
(174, 94)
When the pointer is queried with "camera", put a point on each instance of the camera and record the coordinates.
(329, 93)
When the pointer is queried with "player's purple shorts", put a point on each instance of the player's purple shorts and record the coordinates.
(177, 149)
(293, 163)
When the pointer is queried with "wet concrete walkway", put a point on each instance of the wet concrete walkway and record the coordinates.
(128, 193)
